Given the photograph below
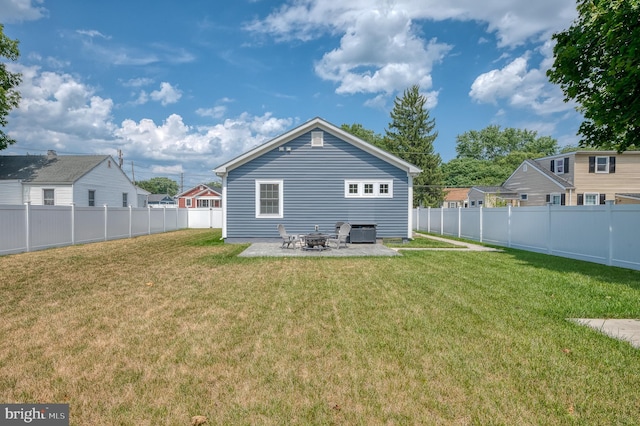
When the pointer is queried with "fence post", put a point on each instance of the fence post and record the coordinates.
(441, 221)
(106, 226)
(148, 219)
(130, 221)
(609, 207)
(509, 225)
(428, 219)
(481, 224)
(459, 221)
(73, 223)
(549, 245)
(417, 218)
(27, 221)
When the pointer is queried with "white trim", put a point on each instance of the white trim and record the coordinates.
(606, 164)
(596, 199)
(362, 185)
(224, 207)
(280, 213)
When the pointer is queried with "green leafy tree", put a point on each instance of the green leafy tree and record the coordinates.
(9, 96)
(597, 64)
(159, 185)
(492, 143)
(365, 134)
(490, 155)
(410, 136)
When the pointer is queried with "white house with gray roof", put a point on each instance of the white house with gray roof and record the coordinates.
(83, 180)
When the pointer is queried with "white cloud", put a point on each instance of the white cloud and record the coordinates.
(215, 112)
(521, 86)
(381, 51)
(93, 33)
(21, 10)
(60, 112)
(167, 94)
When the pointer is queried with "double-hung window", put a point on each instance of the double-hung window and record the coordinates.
(368, 189)
(269, 198)
(125, 199)
(92, 198)
(48, 196)
(591, 199)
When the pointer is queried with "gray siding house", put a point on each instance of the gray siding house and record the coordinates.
(315, 175)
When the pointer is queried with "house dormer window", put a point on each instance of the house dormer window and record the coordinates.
(560, 166)
(602, 164)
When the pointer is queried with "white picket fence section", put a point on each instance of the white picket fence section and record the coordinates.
(28, 228)
(607, 234)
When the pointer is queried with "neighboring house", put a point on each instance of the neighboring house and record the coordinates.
(83, 180)
(315, 175)
(577, 178)
(455, 197)
(492, 196)
(143, 196)
(160, 200)
(200, 196)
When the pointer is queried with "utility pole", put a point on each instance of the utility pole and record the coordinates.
(181, 182)
(120, 159)
(133, 174)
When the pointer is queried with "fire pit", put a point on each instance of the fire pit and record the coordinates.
(315, 241)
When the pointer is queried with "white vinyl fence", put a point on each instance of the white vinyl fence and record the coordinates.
(27, 228)
(607, 234)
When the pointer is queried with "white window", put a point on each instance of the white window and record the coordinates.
(92, 198)
(125, 199)
(591, 199)
(602, 164)
(480, 202)
(269, 199)
(559, 166)
(473, 203)
(188, 202)
(556, 199)
(317, 139)
(368, 189)
(48, 197)
(203, 203)
(524, 197)
(452, 204)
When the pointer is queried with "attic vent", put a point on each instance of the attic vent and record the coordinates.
(317, 138)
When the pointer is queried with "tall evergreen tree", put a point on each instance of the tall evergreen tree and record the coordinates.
(410, 136)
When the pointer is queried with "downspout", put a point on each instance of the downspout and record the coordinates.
(225, 203)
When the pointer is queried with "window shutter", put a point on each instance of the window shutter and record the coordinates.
(566, 165)
(563, 198)
(548, 198)
(552, 165)
(603, 198)
(612, 164)
(580, 199)
(592, 164)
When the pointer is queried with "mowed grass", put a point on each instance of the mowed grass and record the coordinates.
(156, 329)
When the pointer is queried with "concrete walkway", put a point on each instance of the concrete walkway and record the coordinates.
(623, 329)
(462, 245)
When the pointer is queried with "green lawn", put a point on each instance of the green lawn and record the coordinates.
(156, 329)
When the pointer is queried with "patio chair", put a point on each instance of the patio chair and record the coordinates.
(341, 237)
(288, 239)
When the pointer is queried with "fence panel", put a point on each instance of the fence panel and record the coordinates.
(50, 226)
(606, 234)
(13, 236)
(89, 224)
(530, 229)
(117, 223)
(494, 226)
(205, 218)
(625, 236)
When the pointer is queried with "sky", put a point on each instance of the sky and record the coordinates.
(182, 87)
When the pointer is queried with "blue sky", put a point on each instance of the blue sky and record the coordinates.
(181, 87)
